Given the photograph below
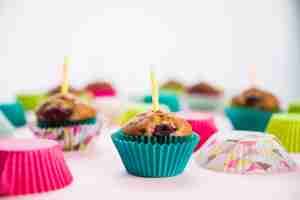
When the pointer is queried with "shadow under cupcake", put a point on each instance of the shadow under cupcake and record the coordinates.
(252, 109)
(155, 144)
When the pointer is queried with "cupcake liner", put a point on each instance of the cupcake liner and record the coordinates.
(30, 102)
(149, 157)
(75, 137)
(294, 107)
(248, 118)
(245, 152)
(170, 100)
(204, 103)
(203, 124)
(286, 127)
(103, 93)
(14, 113)
(31, 166)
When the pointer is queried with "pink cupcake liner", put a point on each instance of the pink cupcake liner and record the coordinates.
(203, 124)
(30, 166)
(103, 93)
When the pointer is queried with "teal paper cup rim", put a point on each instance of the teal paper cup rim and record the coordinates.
(248, 119)
(14, 112)
(148, 157)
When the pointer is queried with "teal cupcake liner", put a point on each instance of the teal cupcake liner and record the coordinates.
(204, 103)
(170, 100)
(249, 119)
(89, 121)
(149, 157)
(14, 112)
(286, 127)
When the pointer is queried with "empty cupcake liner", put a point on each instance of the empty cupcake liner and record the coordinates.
(30, 101)
(203, 125)
(14, 113)
(152, 157)
(286, 127)
(294, 107)
(31, 166)
(248, 118)
(204, 102)
(245, 152)
(70, 138)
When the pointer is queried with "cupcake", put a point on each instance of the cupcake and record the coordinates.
(204, 96)
(244, 152)
(155, 144)
(65, 118)
(287, 128)
(173, 86)
(101, 89)
(252, 109)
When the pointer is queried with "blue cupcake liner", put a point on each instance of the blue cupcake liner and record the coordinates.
(249, 119)
(14, 113)
(150, 158)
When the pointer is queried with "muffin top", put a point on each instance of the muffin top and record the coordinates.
(57, 90)
(157, 123)
(99, 85)
(64, 107)
(206, 89)
(257, 98)
(173, 85)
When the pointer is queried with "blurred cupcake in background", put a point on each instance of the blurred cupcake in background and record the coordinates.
(68, 120)
(173, 86)
(101, 89)
(294, 107)
(205, 97)
(15, 113)
(252, 109)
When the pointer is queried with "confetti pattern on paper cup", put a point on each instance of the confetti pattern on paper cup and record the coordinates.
(244, 152)
(70, 138)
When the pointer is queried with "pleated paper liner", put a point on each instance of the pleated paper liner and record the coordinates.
(14, 113)
(71, 137)
(154, 157)
(30, 101)
(287, 128)
(205, 103)
(30, 166)
(244, 152)
(294, 107)
(249, 119)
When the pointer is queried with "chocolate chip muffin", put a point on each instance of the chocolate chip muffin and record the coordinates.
(204, 88)
(62, 109)
(173, 85)
(100, 88)
(257, 98)
(157, 124)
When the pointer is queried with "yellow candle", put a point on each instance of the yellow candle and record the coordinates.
(155, 100)
(65, 83)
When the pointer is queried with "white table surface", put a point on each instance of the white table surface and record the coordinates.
(99, 174)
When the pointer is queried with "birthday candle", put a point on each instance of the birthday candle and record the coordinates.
(155, 100)
(65, 83)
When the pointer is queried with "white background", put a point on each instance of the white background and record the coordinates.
(216, 40)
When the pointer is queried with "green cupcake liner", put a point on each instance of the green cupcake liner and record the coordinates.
(204, 103)
(294, 107)
(286, 127)
(30, 102)
(170, 100)
(14, 112)
(248, 118)
(147, 157)
(42, 124)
